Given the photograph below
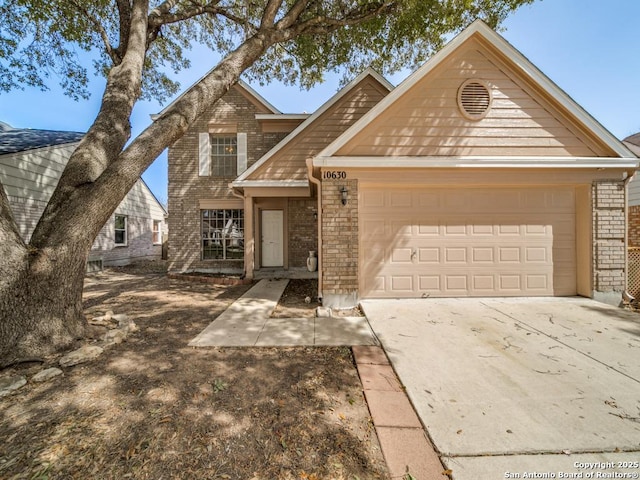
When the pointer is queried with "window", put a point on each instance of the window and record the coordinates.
(222, 234)
(157, 233)
(121, 230)
(224, 156)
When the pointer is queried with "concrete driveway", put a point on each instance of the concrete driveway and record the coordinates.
(507, 387)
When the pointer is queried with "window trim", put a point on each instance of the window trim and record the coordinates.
(155, 232)
(125, 230)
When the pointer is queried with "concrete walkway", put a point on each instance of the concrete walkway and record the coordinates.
(247, 323)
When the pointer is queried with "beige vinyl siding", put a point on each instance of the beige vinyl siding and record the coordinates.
(426, 120)
(634, 191)
(289, 163)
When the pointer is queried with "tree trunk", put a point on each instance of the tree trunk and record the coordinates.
(41, 283)
(41, 302)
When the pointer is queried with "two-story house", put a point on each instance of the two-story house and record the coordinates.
(476, 176)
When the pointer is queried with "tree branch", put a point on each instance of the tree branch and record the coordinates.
(113, 54)
(293, 14)
(167, 17)
(164, 7)
(124, 18)
(323, 25)
(270, 12)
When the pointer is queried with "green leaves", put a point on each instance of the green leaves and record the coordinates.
(40, 39)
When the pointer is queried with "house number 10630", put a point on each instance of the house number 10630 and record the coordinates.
(334, 175)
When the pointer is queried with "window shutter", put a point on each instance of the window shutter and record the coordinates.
(242, 152)
(204, 155)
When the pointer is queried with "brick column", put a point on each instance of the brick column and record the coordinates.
(608, 240)
(339, 244)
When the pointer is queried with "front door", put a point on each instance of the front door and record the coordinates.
(272, 238)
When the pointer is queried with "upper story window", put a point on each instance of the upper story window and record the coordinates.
(120, 236)
(224, 156)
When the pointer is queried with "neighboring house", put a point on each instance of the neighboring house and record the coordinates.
(633, 143)
(31, 162)
(477, 176)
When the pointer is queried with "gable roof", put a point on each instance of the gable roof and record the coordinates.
(15, 140)
(520, 63)
(304, 126)
(633, 143)
(253, 96)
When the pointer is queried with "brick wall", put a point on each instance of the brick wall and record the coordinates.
(303, 230)
(186, 188)
(608, 235)
(339, 238)
(634, 226)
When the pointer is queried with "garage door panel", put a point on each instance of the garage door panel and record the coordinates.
(455, 255)
(429, 283)
(484, 283)
(401, 255)
(402, 284)
(429, 255)
(524, 246)
(482, 254)
(399, 199)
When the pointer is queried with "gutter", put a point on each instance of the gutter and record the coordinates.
(318, 183)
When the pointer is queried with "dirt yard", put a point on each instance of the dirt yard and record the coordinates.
(153, 408)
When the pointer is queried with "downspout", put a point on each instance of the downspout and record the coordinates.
(318, 183)
(236, 193)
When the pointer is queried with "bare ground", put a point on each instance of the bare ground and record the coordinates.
(153, 408)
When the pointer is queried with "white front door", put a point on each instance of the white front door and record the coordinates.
(272, 238)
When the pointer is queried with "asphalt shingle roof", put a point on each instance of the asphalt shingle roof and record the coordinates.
(13, 140)
(634, 139)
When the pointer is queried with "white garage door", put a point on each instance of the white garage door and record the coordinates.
(451, 242)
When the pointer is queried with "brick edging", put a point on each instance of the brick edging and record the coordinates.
(210, 280)
(405, 445)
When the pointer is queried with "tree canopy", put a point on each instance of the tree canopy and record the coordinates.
(40, 39)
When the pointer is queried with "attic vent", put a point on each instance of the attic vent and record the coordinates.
(474, 99)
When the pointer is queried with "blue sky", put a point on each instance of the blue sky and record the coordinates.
(589, 48)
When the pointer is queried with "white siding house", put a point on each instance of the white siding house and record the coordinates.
(31, 162)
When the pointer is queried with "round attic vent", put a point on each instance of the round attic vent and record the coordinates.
(474, 99)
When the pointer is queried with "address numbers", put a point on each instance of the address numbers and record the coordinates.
(334, 175)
